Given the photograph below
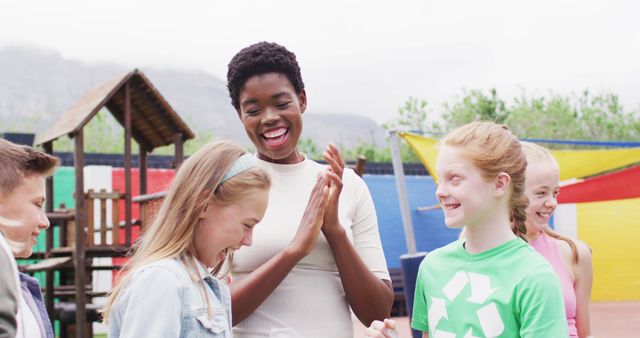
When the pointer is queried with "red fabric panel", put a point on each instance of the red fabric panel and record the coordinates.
(157, 180)
(613, 186)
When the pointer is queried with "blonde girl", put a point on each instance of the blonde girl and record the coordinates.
(570, 258)
(170, 287)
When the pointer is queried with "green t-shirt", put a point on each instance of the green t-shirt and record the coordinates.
(507, 291)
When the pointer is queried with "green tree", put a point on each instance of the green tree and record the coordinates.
(542, 117)
(584, 116)
(598, 117)
(474, 106)
(579, 117)
(103, 134)
(369, 151)
(603, 118)
(413, 115)
(377, 154)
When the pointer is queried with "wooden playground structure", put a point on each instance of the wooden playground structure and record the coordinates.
(100, 225)
(148, 119)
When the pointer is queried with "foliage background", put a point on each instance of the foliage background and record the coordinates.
(583, 116)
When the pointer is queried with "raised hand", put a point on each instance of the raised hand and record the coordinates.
(305, 239)
(334, 175)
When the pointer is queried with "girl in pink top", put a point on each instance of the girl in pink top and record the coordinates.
(570, 258)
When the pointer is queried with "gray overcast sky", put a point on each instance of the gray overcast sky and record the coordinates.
(362, 57)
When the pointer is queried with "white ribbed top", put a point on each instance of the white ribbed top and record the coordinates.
(310, 302)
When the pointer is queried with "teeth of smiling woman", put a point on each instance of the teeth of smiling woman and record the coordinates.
(275, 133)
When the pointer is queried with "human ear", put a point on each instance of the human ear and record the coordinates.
(302, 97)
(501, 184)
(203, 214)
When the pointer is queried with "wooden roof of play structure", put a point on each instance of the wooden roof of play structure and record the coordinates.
(154, 123)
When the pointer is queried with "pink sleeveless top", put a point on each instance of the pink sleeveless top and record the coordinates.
(546, 246)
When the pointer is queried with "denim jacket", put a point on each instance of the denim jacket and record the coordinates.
(165, 299)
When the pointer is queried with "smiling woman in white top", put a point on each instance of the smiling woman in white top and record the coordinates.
(308, 266)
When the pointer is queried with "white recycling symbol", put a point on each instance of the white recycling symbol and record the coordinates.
(488, 315)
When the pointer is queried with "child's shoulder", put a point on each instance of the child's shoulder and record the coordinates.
(526, 253)
(158, 278)
(533, 265)
(582, 248)
(168, 268)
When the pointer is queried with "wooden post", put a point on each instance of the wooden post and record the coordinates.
(48, 148)
(81, 224)
(127, 164)
(360, 163)
(142, 156)
(405, 212)
(115, 220)
(103, 217)
(177, 140)
(91, 218)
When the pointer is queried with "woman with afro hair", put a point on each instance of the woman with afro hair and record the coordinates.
(308, 266)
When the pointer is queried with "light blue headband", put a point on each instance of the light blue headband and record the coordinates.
(244, 162)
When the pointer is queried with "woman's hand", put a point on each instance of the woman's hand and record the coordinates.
(380, 329)
(334, 175)
(312, 219)
(369, 297)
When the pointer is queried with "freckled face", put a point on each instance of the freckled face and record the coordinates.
(466, 197)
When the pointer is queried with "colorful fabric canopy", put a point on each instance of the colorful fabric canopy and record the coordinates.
(573, 163)
(618, 185)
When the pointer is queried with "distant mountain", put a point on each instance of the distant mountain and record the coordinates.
(38, 85)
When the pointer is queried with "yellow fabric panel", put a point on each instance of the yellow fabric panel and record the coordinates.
(612, 229)
(582, 163)
(573, 163)
(427, 150)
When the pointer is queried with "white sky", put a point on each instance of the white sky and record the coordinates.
(362, 57)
